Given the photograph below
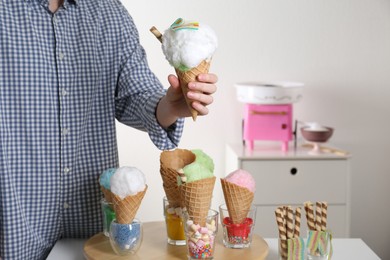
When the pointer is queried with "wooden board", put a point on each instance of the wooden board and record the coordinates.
(155, 246)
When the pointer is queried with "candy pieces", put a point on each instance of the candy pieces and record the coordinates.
(201, 239)
(108, 215)
(175, 211)
(180, 24)
(238, 233)
(125, 236)
(174, 223)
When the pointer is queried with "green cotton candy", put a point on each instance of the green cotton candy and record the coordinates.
(203, 159)
(183, 68)
(201, 168)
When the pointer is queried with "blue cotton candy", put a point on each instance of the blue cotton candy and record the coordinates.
(105, 178)
(126, 236)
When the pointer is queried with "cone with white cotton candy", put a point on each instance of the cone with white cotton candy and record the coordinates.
(128, 188)
(189, 47)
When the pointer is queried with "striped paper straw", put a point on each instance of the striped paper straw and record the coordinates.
(318, 215)
(324, 215)
(282, 232)
(310, 215)
(297, 226)
(290, 222)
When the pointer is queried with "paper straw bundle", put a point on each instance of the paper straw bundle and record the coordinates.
(289, 223)
(319, 221)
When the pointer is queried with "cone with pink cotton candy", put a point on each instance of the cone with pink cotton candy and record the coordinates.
(189, 47)
(238, 189)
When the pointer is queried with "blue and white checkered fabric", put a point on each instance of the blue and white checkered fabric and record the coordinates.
(64, 78)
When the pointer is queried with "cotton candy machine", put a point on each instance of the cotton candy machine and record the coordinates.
(268, 112)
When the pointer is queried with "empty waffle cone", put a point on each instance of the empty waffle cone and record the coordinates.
(173, 196)
(188, 76)
(170, 163)
(238, 201)
(168, 175)
(197, 197)
(107, 194)
(126, 209)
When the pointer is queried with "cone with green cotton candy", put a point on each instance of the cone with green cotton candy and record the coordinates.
(197, 197)
(196, 187)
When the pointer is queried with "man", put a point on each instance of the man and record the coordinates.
(67, 70)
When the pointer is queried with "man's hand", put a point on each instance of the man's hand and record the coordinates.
(173, 105)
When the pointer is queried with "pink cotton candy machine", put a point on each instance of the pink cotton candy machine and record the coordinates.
(268, 112)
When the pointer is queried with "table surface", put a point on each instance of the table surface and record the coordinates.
(351, 248)
(155, 246)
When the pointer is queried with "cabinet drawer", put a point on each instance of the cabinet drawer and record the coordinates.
(266, 226)
(297, 181)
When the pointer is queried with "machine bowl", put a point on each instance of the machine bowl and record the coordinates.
(317, 136)
(269, 93)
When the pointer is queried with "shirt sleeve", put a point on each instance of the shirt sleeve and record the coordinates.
(138, 91)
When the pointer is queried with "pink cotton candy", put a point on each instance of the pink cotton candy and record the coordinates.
(242, 178)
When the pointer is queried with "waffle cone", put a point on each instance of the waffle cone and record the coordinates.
(186, 77)
(238, 201)
(126, 209)
(169, 176)
(170, 163)
(173, 196)
(170, 186)
(197, 196)
(107, 194)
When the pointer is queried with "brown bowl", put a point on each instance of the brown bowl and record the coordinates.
(316, 135)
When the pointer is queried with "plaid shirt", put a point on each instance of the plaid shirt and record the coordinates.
(64, 78)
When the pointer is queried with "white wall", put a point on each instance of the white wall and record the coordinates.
(340, 49)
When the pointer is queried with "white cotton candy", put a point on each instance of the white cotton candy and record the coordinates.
(127, 181)
(188, 48)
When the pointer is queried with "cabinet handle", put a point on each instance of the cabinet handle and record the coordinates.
(294, 171)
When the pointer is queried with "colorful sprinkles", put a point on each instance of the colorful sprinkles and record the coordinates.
(238, 233)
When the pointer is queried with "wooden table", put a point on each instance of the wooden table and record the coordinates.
(155, 246)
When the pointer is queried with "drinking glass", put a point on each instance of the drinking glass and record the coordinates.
(201, 236)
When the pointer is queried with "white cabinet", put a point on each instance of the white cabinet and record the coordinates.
(291, 178)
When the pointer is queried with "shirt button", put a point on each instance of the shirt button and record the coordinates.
(64, 92)
(66, 170)
(62, 55)
(65, 131)
(66, 205)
